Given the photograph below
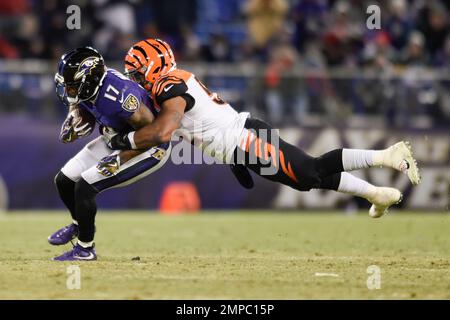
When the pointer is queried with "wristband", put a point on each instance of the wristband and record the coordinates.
(123, 141)
(120, 142)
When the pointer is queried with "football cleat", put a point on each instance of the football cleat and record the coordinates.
(64, 235)
(400, 157)
(382, 200)
(78, 253)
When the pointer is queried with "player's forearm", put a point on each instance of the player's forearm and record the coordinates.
(150, 136)
(145, 138)
(153, 134)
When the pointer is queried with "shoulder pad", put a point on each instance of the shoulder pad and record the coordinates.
(168, 87)
(119, 96)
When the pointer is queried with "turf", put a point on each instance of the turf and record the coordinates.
(256, 255)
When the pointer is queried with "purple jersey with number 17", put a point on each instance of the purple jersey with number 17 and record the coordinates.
(118, 98)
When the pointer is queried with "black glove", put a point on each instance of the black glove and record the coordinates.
(114, 140)
(120, 142)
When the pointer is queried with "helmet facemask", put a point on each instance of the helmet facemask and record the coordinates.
(79, 77)
(66, 92)
(71, 93)
(138, 76)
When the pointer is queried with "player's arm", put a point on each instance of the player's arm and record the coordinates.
(67, 133)
(158, 132)
(109, 165)
(161, 130)
(74, 126)
(139, 119)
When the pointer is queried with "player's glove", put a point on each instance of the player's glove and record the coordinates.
(121, 142)
(115, 140)
(109, 165)
(67, 133)
(107, 133)
(74, 128)
(81, 129)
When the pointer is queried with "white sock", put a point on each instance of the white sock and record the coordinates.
(379, 158)
(86, 244)
(355, 186)
(354, 159)
(75, 222)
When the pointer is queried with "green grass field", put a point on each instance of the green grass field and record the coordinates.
(232, 256)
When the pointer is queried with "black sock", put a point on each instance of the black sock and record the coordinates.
(66, 190)
(330, 182)
(86, 209)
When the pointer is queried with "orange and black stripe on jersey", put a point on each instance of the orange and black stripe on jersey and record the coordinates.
(170, 86)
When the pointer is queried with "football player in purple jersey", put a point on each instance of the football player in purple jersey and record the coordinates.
(91, 90)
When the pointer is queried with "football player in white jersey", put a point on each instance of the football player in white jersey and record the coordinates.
(243, 142)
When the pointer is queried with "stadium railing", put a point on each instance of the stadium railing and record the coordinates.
(411, 97)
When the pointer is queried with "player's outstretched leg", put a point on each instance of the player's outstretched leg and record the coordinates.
(398, 156)
(294, 168)
(309, 170)
(380, 197)
(66, 191)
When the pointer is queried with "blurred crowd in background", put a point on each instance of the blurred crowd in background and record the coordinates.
(278, 35)
(322, 32)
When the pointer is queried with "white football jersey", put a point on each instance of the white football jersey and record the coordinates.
(208, 122)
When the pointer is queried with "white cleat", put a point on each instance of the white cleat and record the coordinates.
(382, 200)
(400, 157)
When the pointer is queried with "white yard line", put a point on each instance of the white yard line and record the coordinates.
(324, 274)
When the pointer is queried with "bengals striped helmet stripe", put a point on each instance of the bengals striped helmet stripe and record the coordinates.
(142, 51)
(139, 59)
(160, 54)
(166, 46)
(130, 64)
